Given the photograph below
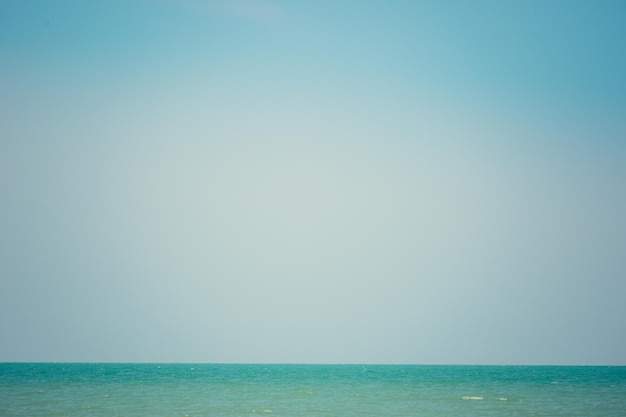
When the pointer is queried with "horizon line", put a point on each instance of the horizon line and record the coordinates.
(308, 363)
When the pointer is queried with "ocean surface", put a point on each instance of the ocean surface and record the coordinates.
(84, 389)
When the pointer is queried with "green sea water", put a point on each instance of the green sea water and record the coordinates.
(84, 389)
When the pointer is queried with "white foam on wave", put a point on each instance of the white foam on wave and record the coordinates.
(471, 398)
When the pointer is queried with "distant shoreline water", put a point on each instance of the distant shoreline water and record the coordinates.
(316, 364)
(344, 390)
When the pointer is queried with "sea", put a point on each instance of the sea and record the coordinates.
(152, 389)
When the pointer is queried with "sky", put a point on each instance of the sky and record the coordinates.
(273, 181)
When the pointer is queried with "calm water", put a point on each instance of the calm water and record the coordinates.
(309, 390)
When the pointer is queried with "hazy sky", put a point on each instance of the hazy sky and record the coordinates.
(313, 181)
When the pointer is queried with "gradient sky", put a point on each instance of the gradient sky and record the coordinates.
(313, 181)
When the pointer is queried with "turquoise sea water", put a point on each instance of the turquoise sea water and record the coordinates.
(65, 389)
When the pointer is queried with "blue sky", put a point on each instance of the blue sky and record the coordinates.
(329, 181)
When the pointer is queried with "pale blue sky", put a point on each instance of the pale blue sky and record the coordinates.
(298, 181)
